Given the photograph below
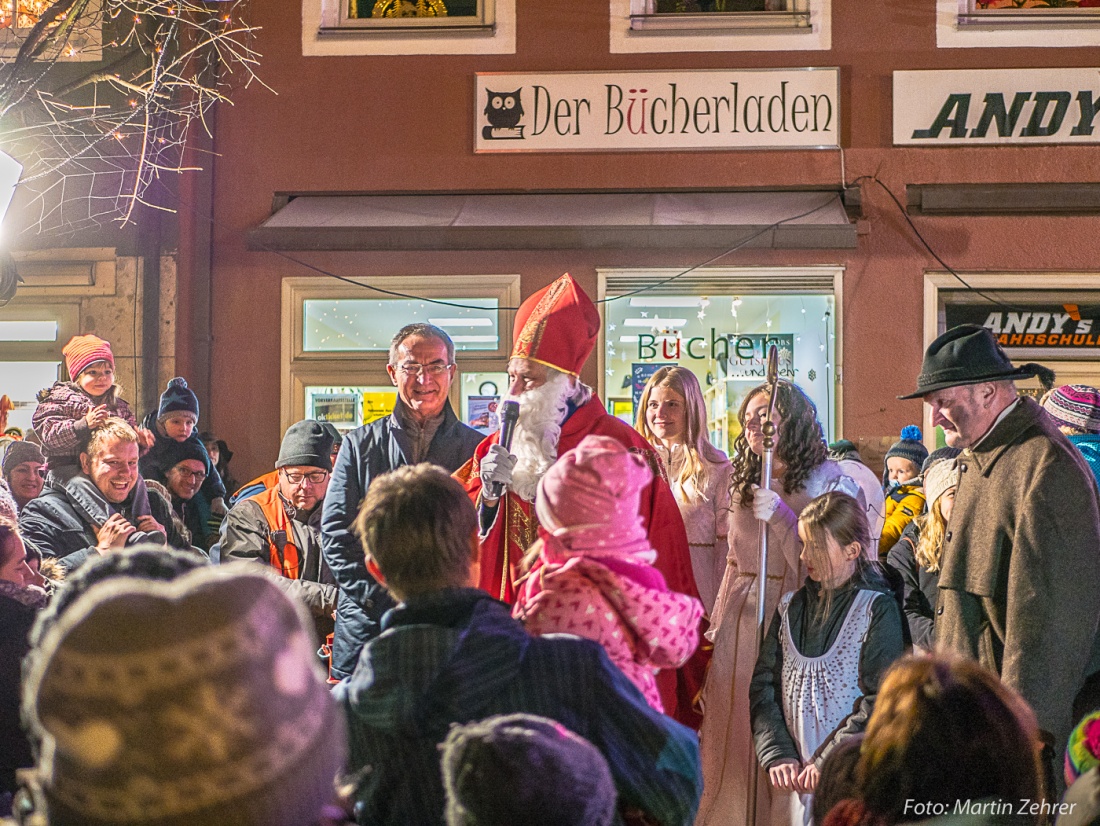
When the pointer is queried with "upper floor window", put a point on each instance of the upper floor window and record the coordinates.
(18, 17)
(413, 14)
(1017, 23)
(1029, 12)
(688, 15)
(639, 26)
(407, 27)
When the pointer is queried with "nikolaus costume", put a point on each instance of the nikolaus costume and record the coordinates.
(558, 326)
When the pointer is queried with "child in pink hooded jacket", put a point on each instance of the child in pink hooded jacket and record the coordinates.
(593, 574)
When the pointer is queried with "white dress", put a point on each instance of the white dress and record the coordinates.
(706, 517)
(728, 754)
(819, 693)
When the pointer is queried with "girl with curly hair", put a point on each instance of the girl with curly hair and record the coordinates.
(672, 416)
(801, 470)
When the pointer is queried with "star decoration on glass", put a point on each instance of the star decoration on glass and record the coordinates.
(645, 314)
(768, 323)
(701, 314)
(812, 375)
(611, 371)
(469, 378)
(611, 327)
(784, 354)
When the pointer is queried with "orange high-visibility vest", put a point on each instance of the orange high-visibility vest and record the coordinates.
(283, 553)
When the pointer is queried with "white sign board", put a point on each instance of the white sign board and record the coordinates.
(654, 111)
(991, 106)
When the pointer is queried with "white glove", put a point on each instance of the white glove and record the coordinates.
(764, 503)
(497, 466)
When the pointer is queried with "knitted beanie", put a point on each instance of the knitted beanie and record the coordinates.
(306, 443)
(940, 477)
(83, 351)
(844, 449)
(1075, 405)
(177, 398)
(1083, 751)
(599, 482)
(519, 768)
(18, 453)
(938, 454)
(908, 447)
(172, 452)
(195, 702)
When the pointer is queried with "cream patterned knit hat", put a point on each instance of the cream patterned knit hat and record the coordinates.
(197, 701)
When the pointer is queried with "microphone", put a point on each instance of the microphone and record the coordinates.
(509, 415)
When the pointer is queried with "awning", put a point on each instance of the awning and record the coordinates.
(532, 221)
(1003, 199)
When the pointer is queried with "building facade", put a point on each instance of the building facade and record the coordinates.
(681, 160)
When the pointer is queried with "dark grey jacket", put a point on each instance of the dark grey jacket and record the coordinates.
(1021, 563)
(367, 453)
(921, 587)
(56, 528)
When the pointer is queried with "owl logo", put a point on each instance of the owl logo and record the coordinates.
(503, 111)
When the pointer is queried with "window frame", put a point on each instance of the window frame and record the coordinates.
(807, 26)
(300, 368)
(960, 25)
(327, 31)
(88, 50)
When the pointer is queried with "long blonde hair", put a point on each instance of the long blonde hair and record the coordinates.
(698, 451)
(932, 529)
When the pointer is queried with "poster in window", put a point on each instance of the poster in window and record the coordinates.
(482, 413)
(338, 408)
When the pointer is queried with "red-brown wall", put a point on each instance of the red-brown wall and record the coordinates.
(375, 124)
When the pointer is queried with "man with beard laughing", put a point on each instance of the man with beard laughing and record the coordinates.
(554, 334)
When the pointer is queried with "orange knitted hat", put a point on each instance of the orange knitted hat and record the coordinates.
(83, 351)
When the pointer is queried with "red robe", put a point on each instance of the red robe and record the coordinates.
(516, 528)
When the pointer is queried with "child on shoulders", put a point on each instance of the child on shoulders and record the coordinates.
(593, 576)
(66, 415)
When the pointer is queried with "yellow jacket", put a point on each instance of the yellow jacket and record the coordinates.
(903, 504)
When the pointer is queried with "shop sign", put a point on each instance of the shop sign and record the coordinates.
(744, 355)
(665, 110)
(1038, 326)
(996, 106)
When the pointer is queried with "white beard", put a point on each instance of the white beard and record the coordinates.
(535, 443)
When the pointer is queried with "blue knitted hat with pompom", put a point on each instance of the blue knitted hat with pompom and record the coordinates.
(177, 398)
(908, 447)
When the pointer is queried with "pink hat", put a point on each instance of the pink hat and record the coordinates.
(597, 483)
(83, 351)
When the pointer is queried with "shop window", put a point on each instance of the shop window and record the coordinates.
(719, 25)
(408, 27)
(722, 336)
(970, 23)
(336, 339)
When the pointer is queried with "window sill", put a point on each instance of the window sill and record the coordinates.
(721, 21)
(398, 29)
(1084, 18)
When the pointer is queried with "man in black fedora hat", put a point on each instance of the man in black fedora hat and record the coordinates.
(1021, 560)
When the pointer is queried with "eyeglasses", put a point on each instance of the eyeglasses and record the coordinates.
(419, 369)
(190, 474)
(314, 477)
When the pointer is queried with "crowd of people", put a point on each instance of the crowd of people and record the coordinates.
(409, 623)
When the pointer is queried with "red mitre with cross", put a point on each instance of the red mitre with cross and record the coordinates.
(557, 326)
